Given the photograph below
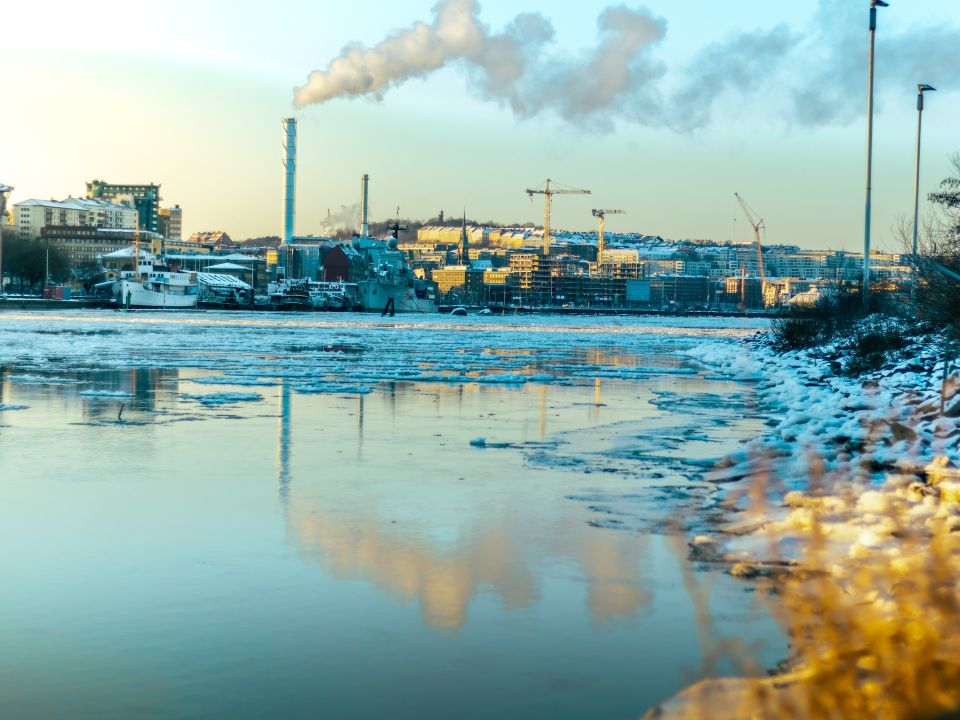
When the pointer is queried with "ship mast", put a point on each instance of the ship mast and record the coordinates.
(136, 252)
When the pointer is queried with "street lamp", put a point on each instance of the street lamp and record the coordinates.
(5, 191)
(874, 4)
(921, 88)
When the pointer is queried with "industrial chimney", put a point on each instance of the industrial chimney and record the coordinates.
(289, 187)
(364, 194)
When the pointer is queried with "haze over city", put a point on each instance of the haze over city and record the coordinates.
(762, 98)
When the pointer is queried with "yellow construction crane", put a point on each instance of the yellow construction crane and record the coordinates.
(602, 215)
(548, 193)
(756, 225)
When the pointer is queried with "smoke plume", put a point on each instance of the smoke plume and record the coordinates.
(621, 77)
(342, 222)
(509, 67)
(833, 85)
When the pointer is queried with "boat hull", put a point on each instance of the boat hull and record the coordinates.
(374, 296)
(134, 294)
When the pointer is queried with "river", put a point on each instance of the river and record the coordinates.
(342, 516)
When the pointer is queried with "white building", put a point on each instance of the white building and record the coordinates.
(31, 216)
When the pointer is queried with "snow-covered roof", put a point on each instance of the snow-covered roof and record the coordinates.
(73, 204)
(227, 266)
(219, 280)
(126, 252)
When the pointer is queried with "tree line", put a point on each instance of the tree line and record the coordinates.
(25, 262)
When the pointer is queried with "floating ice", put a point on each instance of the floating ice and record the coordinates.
(224, 398)
(333, 389)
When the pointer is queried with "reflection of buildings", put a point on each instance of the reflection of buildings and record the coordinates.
(350, 534)
(142, 384)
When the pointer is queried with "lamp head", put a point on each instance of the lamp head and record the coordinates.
(879, 3)
(923, 87)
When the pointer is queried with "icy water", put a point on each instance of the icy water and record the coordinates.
(244, 516)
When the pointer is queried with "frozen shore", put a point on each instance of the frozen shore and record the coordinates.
(856, 485)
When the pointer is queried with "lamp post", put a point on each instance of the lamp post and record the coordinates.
(921, 88)
(874, 4)
(5, 190)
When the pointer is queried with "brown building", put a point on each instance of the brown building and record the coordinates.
(82, 244)
(343, 264)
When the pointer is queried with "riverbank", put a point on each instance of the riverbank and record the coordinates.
(848, 506)
(23, 302)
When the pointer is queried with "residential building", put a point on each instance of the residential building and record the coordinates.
(31, 216)
(171, 222)
(145, 198)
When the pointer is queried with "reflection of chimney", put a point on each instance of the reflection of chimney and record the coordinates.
(364, 193)
(289, 187)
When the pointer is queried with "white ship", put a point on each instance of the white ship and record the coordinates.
(152, 284)
(390, 285)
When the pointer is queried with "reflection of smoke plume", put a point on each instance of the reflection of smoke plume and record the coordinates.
(618, 79)
(834, 85)
(344, 221)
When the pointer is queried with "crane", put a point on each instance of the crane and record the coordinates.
(756, 225)
(548, 193)
(602, 214)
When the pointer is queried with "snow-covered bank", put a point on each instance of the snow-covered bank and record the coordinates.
(861, 426)
(849, 446)
(851, 503)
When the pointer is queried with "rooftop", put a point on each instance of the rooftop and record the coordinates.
(73, 204)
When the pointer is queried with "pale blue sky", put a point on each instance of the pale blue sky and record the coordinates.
(190, 94)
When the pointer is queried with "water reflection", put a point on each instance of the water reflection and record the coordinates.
(493, 557)
(99, 393)
(283, 441)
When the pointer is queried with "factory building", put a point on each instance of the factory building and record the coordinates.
(145, 198)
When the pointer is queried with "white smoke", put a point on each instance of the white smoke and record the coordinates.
(455, 34)
(621, 79)
(833, 87)
(344, 220)
(508, 67)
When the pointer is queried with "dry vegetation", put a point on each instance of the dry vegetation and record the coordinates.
(870, 603)
(862, 575)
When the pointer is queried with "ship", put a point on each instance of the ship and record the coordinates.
(306, 294)
(390, 285)
(152, 285)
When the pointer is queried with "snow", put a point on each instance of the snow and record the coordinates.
(841, 450)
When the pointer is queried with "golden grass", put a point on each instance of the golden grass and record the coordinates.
(871, 607)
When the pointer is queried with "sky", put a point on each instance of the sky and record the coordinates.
(663, 110)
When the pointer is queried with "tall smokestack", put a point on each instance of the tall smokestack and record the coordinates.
(364, 193)
(289, 187)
